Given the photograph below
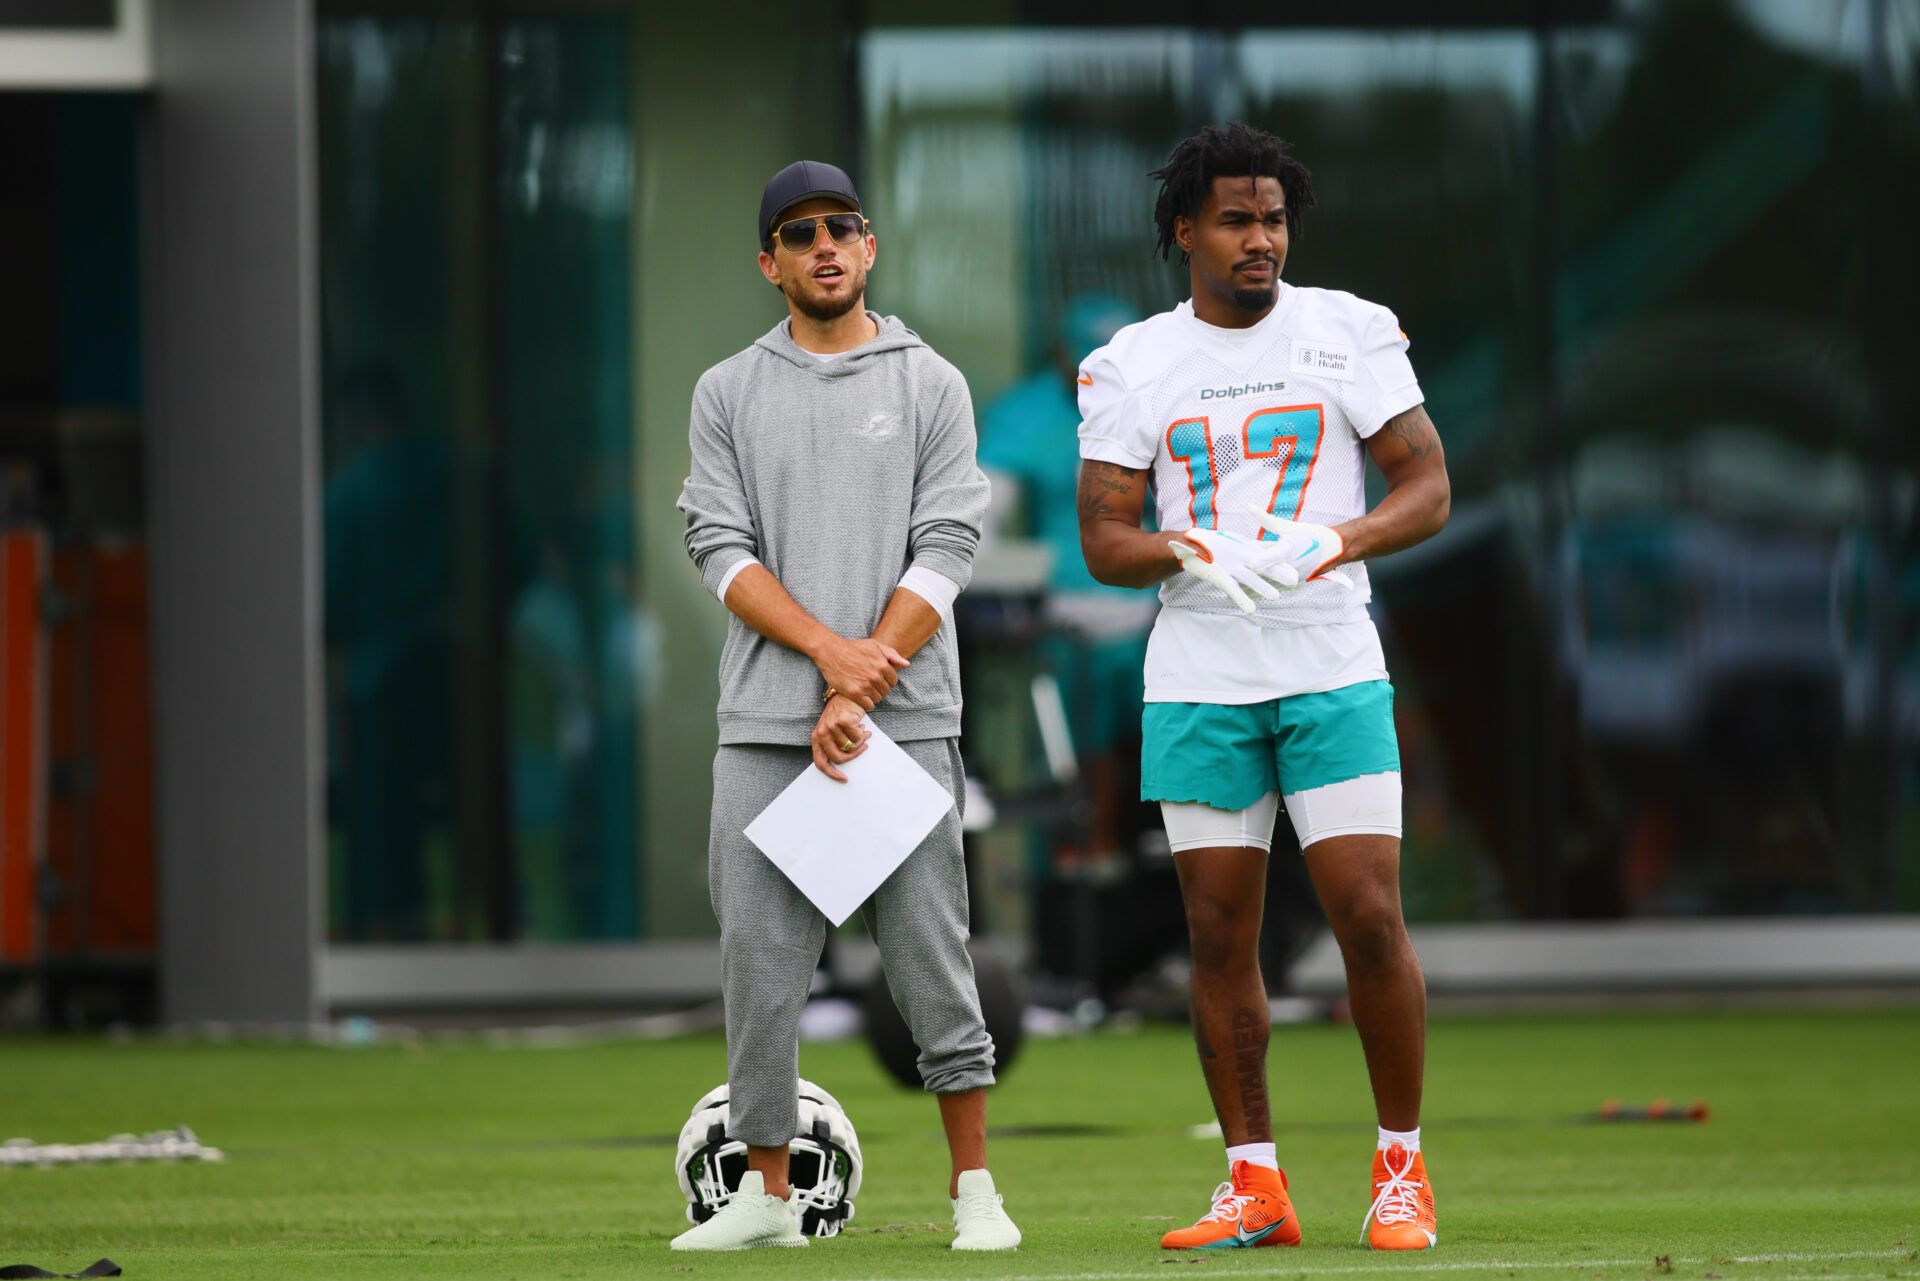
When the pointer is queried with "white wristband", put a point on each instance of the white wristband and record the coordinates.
(936, 589)
(733, 572)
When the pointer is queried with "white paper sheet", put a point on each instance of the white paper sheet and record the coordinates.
(838, 841)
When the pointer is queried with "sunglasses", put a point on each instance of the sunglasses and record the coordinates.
(798, 235)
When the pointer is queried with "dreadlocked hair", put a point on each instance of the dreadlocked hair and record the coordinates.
(1235, 150)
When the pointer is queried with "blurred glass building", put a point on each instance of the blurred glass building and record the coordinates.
(402, 304)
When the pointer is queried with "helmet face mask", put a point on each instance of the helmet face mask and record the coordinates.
(713, 1175)
(823, 1162)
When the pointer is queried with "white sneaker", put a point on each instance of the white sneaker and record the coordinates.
(750, 1219)
(980, 1221)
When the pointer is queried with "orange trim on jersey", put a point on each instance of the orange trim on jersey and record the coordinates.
(1193, 495)
(1213, 467)
(1280, 479)
(1085, 379)
(1312, 462)
(1293, 443)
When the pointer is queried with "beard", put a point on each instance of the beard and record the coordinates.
(814, 307)
(1256, 299)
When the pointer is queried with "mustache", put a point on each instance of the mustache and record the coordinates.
(1266, 258)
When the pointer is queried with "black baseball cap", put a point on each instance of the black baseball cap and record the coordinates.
(802, 180)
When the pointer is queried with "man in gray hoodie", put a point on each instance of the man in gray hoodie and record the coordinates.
(834, 506)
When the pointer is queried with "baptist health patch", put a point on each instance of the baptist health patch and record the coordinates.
(1322, 360)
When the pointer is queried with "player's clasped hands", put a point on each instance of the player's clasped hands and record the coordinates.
(1297, 553)
(864, 670)
(1306, 548)
(1233, 564)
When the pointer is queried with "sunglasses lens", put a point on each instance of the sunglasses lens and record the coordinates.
(844, 228)
(797, 236)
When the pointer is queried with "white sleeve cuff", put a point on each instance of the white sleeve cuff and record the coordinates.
(1112, 451)
(1398, 402)
(936, 589)
(733, 572)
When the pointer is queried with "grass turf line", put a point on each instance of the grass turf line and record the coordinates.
(458, 1160)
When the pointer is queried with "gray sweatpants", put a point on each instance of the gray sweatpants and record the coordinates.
(771, 937)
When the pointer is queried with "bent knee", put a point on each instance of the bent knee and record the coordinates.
(1223, 936)
(1213, 913)
(1372, 938)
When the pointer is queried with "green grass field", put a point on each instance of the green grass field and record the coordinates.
(458, 1160)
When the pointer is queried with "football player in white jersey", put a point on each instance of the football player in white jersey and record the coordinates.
(1249, 412)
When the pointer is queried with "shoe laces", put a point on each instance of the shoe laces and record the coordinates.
(747, 1203)
(1227, 1205)
(1397, 1199)
(978, 1207)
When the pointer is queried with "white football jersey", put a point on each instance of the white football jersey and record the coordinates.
(1270, 417)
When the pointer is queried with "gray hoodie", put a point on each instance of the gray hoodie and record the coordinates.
(837, 476)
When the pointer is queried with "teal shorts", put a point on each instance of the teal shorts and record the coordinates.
(1230, 755)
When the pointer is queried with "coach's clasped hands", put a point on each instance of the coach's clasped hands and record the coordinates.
(859, 673)
(1297, 553)
(864, 671)
(838, 736)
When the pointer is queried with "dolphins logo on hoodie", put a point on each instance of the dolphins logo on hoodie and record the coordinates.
(878, 427)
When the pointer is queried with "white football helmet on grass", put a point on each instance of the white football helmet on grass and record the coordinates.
(823, 1163)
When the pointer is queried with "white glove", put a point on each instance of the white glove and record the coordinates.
(1234, 564)
(1306, 549)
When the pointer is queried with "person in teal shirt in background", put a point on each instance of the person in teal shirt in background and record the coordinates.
(1029, 436)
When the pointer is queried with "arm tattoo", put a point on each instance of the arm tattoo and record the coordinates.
(1100, 483)
(1414, 431)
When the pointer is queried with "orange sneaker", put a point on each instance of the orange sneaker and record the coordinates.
(1250, 1209)
(1402, 1216)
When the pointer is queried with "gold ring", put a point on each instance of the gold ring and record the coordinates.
(846, 747)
